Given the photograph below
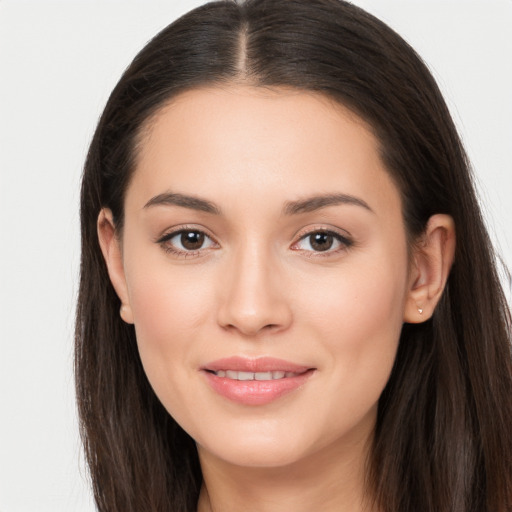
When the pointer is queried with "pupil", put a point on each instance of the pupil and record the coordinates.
(321, 241)
(192, 240)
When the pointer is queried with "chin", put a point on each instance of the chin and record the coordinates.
(256, 455)
(259, 445)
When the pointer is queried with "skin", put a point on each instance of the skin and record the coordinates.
(258, 288)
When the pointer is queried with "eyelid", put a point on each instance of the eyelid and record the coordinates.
(323, 228)
(343, 237)
(173, 230)
(176, 230)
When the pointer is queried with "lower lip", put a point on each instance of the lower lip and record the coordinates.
(256, 392)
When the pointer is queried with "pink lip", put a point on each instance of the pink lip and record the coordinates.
(261, 364)
(255, 392)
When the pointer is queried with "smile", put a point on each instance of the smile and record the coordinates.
(255, 381)
(234, 375)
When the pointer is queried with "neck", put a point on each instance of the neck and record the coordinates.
(330, 480)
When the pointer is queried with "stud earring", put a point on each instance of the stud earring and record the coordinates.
(420, 311)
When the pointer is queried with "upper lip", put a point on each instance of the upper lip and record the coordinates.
(260, 364)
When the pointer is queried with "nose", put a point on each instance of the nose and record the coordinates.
(253, 294)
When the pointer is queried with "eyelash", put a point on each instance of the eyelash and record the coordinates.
(343, 241)
(169, 248)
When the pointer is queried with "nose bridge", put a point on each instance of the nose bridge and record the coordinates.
(254, 296)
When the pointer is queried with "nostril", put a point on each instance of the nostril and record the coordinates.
(249, 329)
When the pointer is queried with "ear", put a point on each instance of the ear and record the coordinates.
(431, 262)
(111, 249)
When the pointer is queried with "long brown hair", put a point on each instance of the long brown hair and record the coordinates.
(443, 439)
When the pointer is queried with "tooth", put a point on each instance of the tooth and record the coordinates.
(234, 375)
(263, 376)
(245, 376)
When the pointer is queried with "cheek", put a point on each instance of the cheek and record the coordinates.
(170, 305)
(163, 295)
(163, 302)
(362, 299)
(169, 311)
(358, 322)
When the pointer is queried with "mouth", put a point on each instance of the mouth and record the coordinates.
(255, 381)
(234, 375)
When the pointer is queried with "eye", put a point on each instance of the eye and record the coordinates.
(186, 241)
(322, 241)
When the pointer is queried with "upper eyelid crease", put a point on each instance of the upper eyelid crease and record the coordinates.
(172, 233)
(346, 239)
(162, 240)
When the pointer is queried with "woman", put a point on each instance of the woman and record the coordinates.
(288, 298)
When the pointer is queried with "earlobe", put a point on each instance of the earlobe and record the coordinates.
(111, 250)
(431, 264)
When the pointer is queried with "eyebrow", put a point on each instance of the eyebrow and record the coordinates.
(311, 204)
(185, 201)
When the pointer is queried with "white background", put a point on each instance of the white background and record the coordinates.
(58, 63)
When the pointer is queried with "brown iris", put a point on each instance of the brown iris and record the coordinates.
(192, 240)
(321, 241)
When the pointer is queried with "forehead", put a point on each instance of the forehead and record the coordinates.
(234, 140)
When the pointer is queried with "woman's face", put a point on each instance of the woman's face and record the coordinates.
(265, 268)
